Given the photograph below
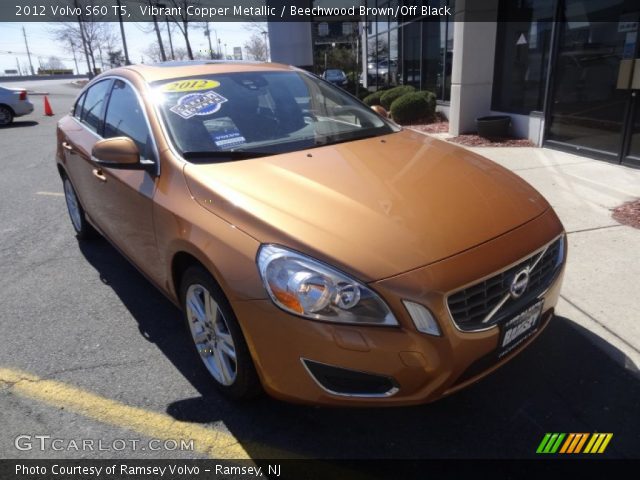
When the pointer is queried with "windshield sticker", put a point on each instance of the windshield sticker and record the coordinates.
(190, 85)
(205, 103)
(228, 139)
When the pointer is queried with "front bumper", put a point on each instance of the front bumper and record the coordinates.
(421, 367)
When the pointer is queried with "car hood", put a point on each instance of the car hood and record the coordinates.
(375, 207)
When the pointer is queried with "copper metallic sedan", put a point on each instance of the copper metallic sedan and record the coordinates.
(318, 251)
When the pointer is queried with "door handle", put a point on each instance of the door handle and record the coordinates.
(97, 172)
(67, 147)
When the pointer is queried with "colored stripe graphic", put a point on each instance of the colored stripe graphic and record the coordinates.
(550, 443)
(573, 442)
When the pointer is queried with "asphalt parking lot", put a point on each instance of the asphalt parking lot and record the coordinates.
(90, 350)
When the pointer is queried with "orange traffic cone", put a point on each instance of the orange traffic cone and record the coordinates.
(47, 108)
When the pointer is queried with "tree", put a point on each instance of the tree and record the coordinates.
(54, 63)
(98, 37)
(116, 58)
(154, 55)
(182, 20)
(256, 48)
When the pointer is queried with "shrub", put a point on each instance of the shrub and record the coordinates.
(393, 94)
(430, 97)
(374, 98)
(413, 106)
(363, 93)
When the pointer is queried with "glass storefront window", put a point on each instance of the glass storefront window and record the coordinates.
(588, 109)
(522, 50)
(417, 53)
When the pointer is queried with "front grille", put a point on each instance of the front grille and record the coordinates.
(471, 306)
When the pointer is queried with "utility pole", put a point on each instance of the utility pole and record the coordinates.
(208, 35)
(124, 40)
(18, 65)
(173, 55)
(26, 44)
(157, 29)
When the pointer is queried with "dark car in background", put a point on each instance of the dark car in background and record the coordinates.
(335, 76)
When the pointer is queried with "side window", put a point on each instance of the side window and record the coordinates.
(125, 118)
(93, 106)
(77, 110)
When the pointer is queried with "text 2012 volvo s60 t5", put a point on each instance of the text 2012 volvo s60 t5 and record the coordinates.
(318, 251)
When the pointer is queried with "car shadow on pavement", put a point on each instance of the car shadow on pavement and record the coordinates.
(21, 123)
(562, 383)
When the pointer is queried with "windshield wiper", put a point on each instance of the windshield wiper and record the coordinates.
(222, 156)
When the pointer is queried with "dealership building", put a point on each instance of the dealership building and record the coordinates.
(565, 71)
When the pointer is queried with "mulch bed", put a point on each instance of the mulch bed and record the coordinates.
(436, 127)
(628, 213)
(439, 124)
(477, 141)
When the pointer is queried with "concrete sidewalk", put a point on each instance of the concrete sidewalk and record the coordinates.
(601, 290)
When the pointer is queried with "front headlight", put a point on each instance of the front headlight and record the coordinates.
(304, 286)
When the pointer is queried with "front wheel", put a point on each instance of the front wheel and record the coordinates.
(76, 213)
(217, 336)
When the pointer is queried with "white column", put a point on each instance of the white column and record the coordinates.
(474, 46)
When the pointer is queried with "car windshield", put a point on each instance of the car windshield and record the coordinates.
(234, 116)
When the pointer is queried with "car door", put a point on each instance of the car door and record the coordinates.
(126, 196)
(80, 135)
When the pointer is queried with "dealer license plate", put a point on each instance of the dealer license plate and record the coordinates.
(519, 328)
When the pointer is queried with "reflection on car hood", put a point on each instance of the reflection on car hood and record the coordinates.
(374, 207)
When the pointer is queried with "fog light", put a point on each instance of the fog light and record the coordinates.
(422, 318)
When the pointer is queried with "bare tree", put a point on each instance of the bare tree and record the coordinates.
(152, 52)
(54, 63)
(256, 48)
(182, 20)
(97, 36)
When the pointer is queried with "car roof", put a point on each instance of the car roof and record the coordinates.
(178, 69)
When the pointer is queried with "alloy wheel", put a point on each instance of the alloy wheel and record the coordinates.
(211, 334)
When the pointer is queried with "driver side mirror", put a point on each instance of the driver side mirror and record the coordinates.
(116, 152)
(380, 110)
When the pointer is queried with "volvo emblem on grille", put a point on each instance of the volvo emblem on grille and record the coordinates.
(519, 283)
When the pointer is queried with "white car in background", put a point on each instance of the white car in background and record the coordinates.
(14, 102)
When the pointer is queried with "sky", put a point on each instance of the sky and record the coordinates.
(42, 46)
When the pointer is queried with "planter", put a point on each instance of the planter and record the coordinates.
(493, 126)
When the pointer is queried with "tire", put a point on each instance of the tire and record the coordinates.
(217, 336)
(6, 116)
(83, 229)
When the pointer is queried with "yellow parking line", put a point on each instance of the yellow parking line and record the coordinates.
(213, 443)
(52, 194)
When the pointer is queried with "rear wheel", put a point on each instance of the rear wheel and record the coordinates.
(217, 336)
(6, 116)
(76, 213)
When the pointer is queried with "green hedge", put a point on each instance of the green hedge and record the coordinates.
(413, 106)
(430, 97)
(374, 98)
(391, 95)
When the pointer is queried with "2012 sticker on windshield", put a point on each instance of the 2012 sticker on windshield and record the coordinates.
(200, 103)
(190, 85)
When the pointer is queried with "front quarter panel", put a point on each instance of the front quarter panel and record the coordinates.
(182, 225)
